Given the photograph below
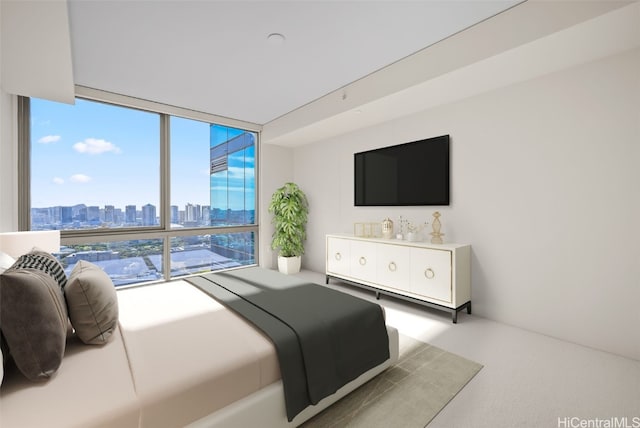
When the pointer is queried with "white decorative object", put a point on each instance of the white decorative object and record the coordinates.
(387, 228)
(289, 265)
(414, 237)
(367, 230)
(411, 231)
(436, 235)
(438, 276)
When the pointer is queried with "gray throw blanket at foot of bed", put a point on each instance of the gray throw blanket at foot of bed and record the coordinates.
(323, 338)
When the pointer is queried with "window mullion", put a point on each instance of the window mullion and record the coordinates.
(24, 162)
(165, 192)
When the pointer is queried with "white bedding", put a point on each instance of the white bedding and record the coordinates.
(188, 354)
(93, 388)
(177, 358)
(196, 362)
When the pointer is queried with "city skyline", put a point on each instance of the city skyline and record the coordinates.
(114, 205)
(83, 216)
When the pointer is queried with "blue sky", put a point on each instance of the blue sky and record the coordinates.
(99, 154)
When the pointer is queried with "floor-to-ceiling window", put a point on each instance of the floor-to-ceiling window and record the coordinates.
(144, 193)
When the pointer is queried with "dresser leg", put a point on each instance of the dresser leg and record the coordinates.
(454, 316)
(377, 296)
(469, 307)
(326, 281)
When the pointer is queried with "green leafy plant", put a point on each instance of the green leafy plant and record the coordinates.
(290, 209)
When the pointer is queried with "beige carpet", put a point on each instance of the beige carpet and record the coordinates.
(407, 395)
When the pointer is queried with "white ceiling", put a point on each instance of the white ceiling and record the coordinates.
(214, 56)
(343, 65)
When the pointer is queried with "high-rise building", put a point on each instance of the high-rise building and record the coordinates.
(191, 213)
(66, 215)
(108, 213)
(205, 216)
(93, 214)
(118, 216)
(55, 214)
(80, 214)
(148, 215)
(175, 219)
(130, 214)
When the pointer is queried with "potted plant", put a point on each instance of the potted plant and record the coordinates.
(290, 208)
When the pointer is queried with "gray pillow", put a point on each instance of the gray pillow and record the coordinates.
(37, 259)
(33, 319)
(92, 302)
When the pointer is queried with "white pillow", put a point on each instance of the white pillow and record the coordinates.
(6, 261)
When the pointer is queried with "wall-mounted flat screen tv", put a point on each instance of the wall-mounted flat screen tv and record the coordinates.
(415, 173)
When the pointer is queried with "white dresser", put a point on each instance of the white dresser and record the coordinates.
(434, 275)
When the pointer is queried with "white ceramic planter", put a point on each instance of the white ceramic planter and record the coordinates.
(289, 265)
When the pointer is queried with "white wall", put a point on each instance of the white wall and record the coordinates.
(544, 186)
(36, 47)
(35, 60)
(8, 160)
(275, 169)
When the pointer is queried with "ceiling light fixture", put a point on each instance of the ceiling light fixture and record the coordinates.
(275, 39)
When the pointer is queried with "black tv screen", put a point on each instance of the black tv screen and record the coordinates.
(415, 173)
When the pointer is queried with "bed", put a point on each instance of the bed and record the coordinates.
(177, 357)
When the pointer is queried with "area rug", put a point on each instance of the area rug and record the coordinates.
(409, 394)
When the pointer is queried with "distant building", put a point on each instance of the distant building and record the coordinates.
(148, 215)
(80, 213)
(66, 215)
(205, 217)
(130, 214)
(175, 216)
(93, 214)
(108, 213)
(92, 256)
(191, 213)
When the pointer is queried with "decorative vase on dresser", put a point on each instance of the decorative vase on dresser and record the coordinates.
(434, 275)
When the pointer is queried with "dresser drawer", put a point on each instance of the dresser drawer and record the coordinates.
(431, 274)
(363, 260)
(393, 266)
(338, 259)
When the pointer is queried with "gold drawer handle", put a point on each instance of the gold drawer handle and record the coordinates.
(429, 273)
(363, 261)
(338, 256)
(392, 267)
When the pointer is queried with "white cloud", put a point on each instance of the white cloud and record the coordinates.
(58, 180)
(95, 146)
(49, 139)
(241, 173)
(80, 178)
